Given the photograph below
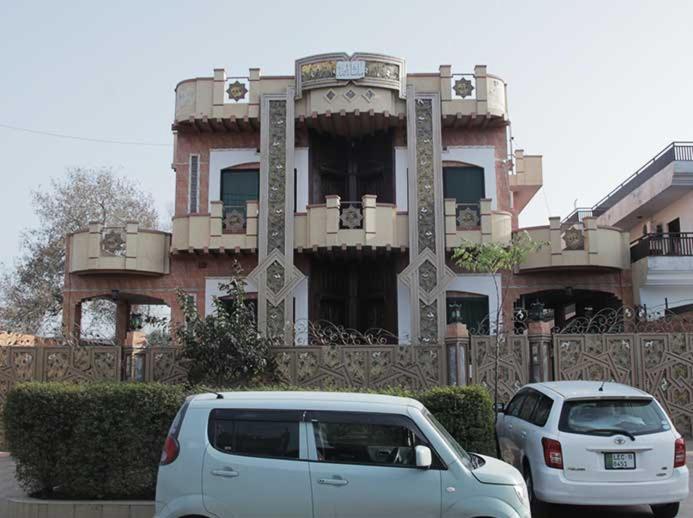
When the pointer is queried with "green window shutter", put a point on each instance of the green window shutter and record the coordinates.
(465, 184)
(239, 186)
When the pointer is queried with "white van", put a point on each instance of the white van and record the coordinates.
(325, 454)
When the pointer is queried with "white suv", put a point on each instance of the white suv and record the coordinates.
(319, 455)
(594, 443)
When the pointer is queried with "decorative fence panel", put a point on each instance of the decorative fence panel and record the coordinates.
(362, 366)
(658, 363)
(513, 363)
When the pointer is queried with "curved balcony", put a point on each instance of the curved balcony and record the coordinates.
(363, 224)
(578, 246)
(232, 228)
(475, 223)
(127, 249)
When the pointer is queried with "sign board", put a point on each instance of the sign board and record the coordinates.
(349, 70)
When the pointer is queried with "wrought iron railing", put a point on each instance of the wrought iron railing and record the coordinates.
(468, 216)
(350, 214)
(671, 244)
(674, 151)
(235, 219)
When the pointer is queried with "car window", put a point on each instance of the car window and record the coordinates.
(608, 416)
(542, 410)
(259, 434)
(365, 439)
(528, 405)
(513, 407)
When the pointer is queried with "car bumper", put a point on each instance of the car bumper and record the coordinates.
(550, 485)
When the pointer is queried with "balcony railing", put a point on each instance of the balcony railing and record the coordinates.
(671, 244)
(676, 151)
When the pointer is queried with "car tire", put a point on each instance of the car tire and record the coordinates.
(665, 510)
(539, 508)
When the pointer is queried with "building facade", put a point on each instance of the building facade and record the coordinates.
(342, 191)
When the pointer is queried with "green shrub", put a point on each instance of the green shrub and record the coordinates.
(89, 441)
(103, 441)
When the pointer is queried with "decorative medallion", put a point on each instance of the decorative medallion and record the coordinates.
(349, 95)
(237, 91)
(330, 95)
(467, 219)
(351, 217)
(463, 87)
(368, 95)
(427, 276)
(234, 221)
(574, 239)
(113, 242)
(275, 277)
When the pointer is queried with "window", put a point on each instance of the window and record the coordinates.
(379, 439)
(605, 416)
(542, 410)
(238, 186)
(194, 183)
(466, 185)
(515, 404)
(529, 405)
(256, 433)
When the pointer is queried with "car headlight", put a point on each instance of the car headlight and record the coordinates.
(522, 494)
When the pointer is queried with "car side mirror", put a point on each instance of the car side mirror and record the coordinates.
(500, 408)
(424, 458)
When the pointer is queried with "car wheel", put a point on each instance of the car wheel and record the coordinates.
(539, 509)
(666, 510)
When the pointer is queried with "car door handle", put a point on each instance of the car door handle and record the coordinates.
(333, 482)
(523, 435)
(227, 473)
(510, 427)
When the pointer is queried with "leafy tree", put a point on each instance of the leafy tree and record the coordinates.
(31, 291)
(495, 258)
(224, 348)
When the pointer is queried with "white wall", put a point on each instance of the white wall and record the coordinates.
(481, 156)
(681, 208)
(403, 313)
(221, 159)
(401, 189)
(480, 284)
(212, 289)
(301, 165)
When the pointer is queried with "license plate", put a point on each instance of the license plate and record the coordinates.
(619, 460)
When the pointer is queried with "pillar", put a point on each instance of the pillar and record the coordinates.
(122, 321)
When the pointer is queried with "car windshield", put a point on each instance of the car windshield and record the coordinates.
(464, 457)
(612, 416)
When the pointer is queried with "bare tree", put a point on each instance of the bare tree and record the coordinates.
(31, 290)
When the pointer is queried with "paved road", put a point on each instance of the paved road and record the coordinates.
(9, 488)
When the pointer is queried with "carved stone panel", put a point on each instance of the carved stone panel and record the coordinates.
(513, 363)
(425, 175)
(276, 176)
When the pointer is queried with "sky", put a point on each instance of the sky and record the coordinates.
(596, 87)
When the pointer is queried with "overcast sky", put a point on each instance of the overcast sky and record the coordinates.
(597, 87)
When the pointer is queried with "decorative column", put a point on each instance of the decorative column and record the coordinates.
(276, 276)
(427, 274)
(539, 334)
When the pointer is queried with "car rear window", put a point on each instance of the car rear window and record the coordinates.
(609, 416)
(255, 433)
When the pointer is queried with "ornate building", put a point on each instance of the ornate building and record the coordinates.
(342, 191)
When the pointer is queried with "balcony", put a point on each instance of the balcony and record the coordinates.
(678, 244)
(475, 223)
(469, 100)
(225, 228)
(527, 178)
(578, 246)
(126, 249)
(363, 224)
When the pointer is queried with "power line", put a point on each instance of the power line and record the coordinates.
(84, 139)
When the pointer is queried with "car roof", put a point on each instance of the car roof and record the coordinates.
(589, 389)
(304, 400)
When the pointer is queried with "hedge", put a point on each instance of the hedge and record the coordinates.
(103, 441)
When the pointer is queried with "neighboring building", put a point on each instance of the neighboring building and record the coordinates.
(342, 191)
(655, 206)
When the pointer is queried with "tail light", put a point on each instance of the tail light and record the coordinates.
(170, 451)
(680, 452)
(553, 454)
